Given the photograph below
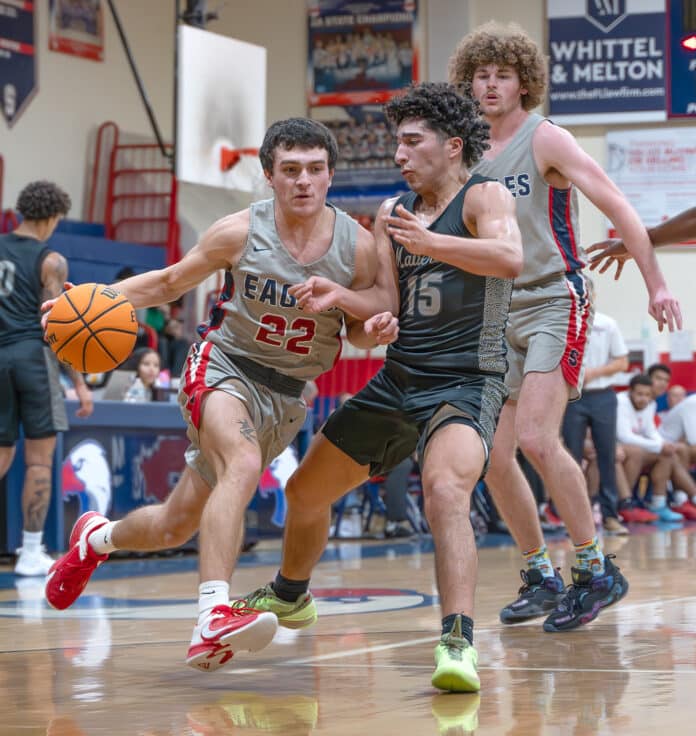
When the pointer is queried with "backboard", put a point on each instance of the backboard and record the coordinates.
(221, 106)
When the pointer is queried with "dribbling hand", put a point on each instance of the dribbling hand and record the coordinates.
(47, 306)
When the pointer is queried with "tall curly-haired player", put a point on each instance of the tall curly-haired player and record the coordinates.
(452, 250)
(550, 316)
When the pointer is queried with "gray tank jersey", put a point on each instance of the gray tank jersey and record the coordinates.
(450, 321)
(255, 317)
(548, 217)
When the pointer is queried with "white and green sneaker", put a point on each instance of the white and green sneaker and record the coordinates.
(456, 661)
(298, 615)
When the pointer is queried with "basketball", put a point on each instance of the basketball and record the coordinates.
(92, 328)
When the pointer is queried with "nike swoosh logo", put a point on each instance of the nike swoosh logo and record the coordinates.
(256, 250)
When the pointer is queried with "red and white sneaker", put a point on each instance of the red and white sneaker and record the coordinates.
(687, 510)
(68, 575)
(228, 630)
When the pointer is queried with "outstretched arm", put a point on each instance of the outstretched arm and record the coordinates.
(677, 229)
(557, 151)
(219, 248)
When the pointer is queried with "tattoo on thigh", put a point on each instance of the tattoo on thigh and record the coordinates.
(247, 431)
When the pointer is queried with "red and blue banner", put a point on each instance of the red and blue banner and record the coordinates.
(18, 77)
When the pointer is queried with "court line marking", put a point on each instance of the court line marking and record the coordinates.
(500, 667)
(430, 639)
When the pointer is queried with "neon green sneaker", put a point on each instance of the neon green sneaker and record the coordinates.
(456, 662)
(298, 615)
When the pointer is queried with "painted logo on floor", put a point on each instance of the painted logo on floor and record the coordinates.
(330, 602)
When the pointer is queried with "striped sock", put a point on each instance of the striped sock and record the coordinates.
(538, 559)
(589, 556)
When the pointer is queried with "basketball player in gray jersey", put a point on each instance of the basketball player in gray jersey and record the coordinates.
(550, 316)
(241, 386)
(454, 250)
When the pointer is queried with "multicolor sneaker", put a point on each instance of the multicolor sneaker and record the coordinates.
(586, 597)
(536, 597)
(456, 661)
(70, 574)
(298, 615)
(226, 631)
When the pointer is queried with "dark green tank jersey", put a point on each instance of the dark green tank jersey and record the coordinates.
(450, 321)
(20, 288)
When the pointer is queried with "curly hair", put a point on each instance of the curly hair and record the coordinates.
(447, 112)
(300, 133)
(41, 200)
(509, 45)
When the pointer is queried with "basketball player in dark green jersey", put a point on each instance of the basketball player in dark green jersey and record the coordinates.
(30, 392)
(454, 250)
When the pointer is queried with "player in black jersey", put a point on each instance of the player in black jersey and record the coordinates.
(451, 252)
(30, 392)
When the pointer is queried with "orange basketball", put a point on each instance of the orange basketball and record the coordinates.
(92, 328)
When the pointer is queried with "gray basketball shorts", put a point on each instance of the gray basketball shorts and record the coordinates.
(30, 392)
(549, 325)
(276, 417)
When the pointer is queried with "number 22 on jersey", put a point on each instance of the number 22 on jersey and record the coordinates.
(274, 329)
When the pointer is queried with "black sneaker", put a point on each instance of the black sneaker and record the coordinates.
(586, 597)
(537, 597)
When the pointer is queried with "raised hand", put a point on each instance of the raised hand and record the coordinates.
(408, 231)
(383, 327)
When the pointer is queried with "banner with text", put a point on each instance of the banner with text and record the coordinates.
(655, 168)
(607, 61)
(18, 82)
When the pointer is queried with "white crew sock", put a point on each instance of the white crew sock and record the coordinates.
(100, 539)
(31, 541)
(210, 594)
(658, 502)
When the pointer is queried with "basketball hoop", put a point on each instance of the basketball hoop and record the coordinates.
(241, 170)
(230, 157)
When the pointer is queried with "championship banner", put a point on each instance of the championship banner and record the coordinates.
(655, 168)
(360, 56)
(76, 27)
(607, 61)
(18, 82)
(366, 147)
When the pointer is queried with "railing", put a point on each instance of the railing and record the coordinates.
(139, 201)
